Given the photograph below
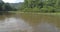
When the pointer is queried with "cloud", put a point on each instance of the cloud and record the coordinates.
(13, 1)
(19, 0)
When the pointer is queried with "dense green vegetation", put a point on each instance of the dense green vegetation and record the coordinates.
(5, 7)
(41, 6)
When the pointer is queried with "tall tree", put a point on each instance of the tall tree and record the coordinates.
(42, 5)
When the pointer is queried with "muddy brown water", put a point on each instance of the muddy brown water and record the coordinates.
(28, 22)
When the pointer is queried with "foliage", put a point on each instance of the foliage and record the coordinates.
(41, 6)
(5, 7)
(48, 9)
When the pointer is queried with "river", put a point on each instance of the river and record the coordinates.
(27, 22)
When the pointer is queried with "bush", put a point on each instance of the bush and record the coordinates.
(47, 9)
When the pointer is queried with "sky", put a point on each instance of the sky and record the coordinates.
(13, 1)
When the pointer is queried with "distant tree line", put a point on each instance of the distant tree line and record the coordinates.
(5, 7)
(41, 6)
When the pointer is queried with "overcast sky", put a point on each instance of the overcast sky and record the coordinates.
(13, 1)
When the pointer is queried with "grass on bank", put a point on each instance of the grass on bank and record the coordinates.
(17, 12)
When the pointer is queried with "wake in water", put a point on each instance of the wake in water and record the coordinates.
(14, 24)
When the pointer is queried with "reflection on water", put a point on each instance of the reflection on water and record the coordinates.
(18, 25)
(12, 24)
(46, 27)
(30, 23)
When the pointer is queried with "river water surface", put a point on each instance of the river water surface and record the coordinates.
(25, 22)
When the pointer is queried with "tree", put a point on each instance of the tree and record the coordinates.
(42, 5)
(1, 4)
(5, 7)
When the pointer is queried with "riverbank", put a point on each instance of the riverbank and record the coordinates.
(18, 12)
